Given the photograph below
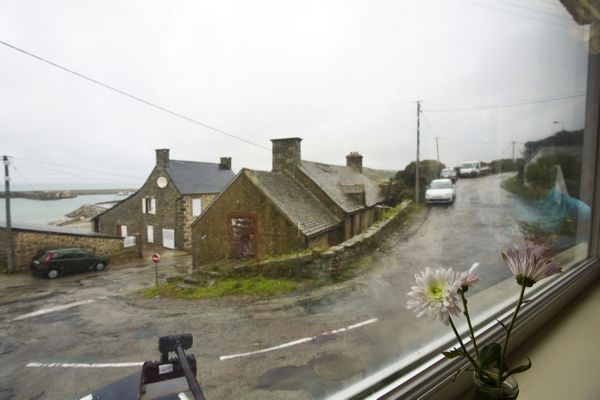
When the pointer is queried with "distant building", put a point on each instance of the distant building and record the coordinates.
(299, 204)
(163, 209)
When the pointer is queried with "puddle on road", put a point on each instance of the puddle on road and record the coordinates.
(321, 375)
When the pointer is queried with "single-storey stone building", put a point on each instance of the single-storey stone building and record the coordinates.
(299, 204)
(163, 209)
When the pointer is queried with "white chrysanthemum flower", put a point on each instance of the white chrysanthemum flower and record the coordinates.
(469, 278)
(436, 294)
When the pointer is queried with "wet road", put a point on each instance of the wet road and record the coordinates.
(307, 345)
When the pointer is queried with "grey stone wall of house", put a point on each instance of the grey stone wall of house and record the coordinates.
(275, 234)
(26, 244)
(130, 211)
(188, 217)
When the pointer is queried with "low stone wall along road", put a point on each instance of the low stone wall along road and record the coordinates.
(63, 339)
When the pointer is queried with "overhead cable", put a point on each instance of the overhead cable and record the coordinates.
(122, 92)
(506, 105)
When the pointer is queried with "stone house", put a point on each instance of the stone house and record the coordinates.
(163, 209)
(298, 205)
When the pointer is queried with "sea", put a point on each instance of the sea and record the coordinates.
(42, 212)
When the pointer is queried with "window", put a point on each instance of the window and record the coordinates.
(122, 230)
(196, 207)
(508, 103)
(150, 234)
(149, 205)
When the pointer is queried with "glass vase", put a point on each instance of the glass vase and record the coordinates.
(509, 390)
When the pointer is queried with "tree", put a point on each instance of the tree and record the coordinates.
(402, 186)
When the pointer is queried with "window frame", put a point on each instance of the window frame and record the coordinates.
(428, 374)
(149, 205)
(197, 200)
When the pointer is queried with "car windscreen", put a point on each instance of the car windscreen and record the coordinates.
(440, 185)
(468, 165)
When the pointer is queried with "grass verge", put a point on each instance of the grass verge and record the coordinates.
(515, 186)
(251, 286)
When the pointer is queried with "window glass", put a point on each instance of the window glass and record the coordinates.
(196, 207)
(340, 115)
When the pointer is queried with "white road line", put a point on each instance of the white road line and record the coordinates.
(52, 309)
(300, 341)
(84, 365)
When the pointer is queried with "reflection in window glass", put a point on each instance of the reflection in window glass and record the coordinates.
(295, 282)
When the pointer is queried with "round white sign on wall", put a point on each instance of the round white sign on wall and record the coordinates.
(161, 182)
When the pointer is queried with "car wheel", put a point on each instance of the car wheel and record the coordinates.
(100, 266)
(52, 274)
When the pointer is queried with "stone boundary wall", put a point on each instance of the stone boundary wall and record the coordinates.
(26, 243)
(331, 262)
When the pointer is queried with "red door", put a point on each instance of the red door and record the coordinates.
(242, 237)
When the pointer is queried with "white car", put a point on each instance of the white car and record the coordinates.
(440, 191)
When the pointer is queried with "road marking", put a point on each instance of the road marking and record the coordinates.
(52, 309)
(300, 341)
(84, 365)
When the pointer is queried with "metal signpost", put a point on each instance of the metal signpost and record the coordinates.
(155, 260)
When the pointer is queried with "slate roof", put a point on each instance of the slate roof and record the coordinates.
(295, 201)
(340, 182)
(191, 177)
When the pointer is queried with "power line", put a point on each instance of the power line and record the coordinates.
(52, 210)
(520, 15)
(76, 167)
(535, 10)
(506, 105)
(122, 92)
(69, 172)
(473, 141)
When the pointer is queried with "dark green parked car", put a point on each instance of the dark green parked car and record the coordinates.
(52, 263)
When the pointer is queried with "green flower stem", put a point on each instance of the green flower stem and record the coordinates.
(510, 327)
(466, 313)
(462, 345)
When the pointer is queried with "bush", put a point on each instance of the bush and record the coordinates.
(541, 175)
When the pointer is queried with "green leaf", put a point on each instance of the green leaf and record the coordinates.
(489, 354)
(454, 353)
(520, 369)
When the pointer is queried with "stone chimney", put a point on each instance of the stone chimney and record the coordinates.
(354, 160)
(225, 163)
(286, 154)
(162, 157)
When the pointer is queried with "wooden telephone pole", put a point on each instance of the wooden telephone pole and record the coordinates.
(418, 145)
(10, 262)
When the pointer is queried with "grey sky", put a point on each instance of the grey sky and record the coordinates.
(343, 75)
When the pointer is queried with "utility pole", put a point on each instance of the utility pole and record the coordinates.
(437, 148)
(418, 144)
(10, 262)
(513, 143)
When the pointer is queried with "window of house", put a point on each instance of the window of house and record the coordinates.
(122, 230)
(150, 233)
(149, 205)
(196, 207)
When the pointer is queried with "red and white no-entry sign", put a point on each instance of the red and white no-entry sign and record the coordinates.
(155, 257)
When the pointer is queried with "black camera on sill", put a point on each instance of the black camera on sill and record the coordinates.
(176, 375)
